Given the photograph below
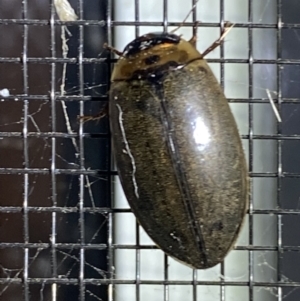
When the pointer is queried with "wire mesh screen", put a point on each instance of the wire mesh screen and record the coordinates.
(66, 230)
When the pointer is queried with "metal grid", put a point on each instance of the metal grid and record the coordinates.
(57, 216)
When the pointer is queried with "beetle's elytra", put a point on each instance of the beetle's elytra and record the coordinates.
(177, 149)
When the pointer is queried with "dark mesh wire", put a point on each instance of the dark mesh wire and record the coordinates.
(56, 213)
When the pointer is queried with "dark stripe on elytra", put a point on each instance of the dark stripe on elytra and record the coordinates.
(179, 170)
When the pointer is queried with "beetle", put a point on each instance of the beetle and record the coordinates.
(177, 148)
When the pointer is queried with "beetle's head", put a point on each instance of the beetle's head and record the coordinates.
(150, 40)
(153, 55)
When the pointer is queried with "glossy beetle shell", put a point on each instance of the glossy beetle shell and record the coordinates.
(177, 149)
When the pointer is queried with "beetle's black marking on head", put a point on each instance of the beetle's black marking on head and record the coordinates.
(148, 41)
(152, 59)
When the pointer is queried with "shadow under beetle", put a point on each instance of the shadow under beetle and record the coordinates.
(177, 148)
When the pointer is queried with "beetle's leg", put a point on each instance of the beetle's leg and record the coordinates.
(193, 40)
(97, 117)
(218, 42)
(112, 49)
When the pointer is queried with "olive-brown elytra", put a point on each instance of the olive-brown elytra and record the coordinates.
(177, 148)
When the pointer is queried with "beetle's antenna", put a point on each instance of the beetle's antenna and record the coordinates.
(185, 18)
